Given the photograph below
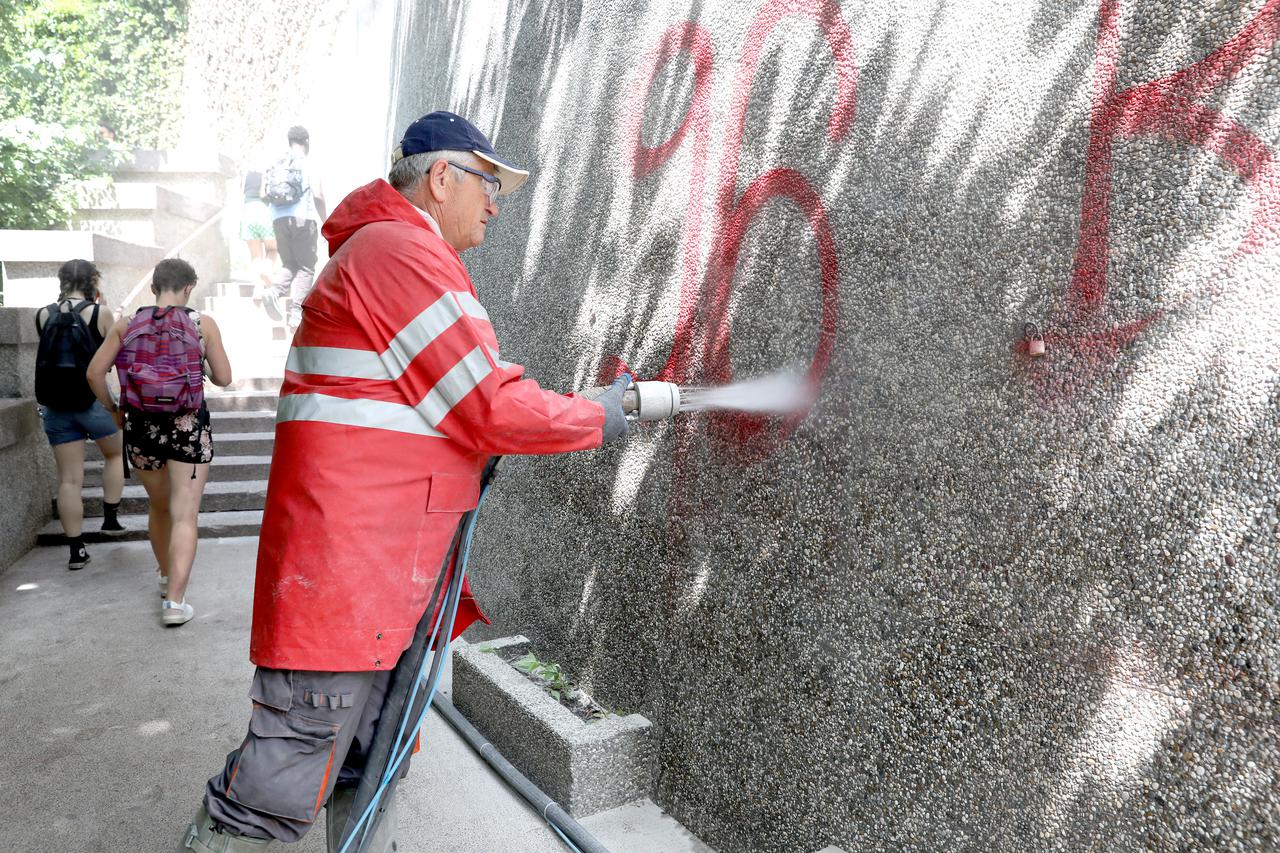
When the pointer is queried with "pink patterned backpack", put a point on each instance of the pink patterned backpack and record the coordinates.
(160, 362)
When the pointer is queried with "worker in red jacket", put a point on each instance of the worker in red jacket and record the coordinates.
(395, 397)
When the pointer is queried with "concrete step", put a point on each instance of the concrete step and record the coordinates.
(244, 443)
(241, 421)
(245, 323)
(241, 289)
(222, 469)
(267, 342)
(211, 525)
(228, 423)
(244, 401)
(140, 213)
(227, 444)
(251, 330)
(225, 496)
(234, 305)
(255, 383)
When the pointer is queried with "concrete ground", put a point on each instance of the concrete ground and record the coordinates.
(113, 722)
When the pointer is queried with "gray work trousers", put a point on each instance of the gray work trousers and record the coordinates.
(296, 242)
(308, 732)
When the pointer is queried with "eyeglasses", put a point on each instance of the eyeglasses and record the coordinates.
(491, 185)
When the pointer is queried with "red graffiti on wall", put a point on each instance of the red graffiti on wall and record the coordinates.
(1169, 109)
(711, 293)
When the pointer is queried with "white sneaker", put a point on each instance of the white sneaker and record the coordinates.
(176, 612)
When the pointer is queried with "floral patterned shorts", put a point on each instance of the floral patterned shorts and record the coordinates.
(153, 439)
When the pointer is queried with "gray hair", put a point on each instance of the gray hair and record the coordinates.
(407, 172)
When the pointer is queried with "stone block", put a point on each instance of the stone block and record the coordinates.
(31, 260)
(140, 197)
(29, 246)
(27, 478)
(18, 419)
(586, 767)
(17, 352)
(146, 161)
(204, 176)
(150, 214)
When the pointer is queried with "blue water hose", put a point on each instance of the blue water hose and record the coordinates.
(451, 606)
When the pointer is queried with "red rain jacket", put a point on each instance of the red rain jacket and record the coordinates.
(393, 400)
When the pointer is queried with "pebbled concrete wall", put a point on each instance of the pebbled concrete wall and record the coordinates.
(973, 599)
(28, 476)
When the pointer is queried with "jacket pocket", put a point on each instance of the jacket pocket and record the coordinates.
(453, 493)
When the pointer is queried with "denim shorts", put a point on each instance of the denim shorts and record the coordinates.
(94, 423)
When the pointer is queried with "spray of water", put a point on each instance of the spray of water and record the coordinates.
(779, 394)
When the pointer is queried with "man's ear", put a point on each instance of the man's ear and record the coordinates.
(437, 180)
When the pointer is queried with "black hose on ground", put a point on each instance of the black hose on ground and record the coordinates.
(545, 806)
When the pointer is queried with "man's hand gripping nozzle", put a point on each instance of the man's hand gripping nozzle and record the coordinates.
(625, 401)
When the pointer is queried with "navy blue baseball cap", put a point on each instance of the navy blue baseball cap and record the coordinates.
(445, 131)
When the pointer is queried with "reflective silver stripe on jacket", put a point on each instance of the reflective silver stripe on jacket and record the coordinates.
(374, 414)
(460, 381)
(407, 345)
(422, 419)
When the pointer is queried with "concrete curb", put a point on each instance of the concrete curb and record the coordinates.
(585, 767)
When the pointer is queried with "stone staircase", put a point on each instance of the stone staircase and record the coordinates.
(243, 418)
(256, 345)
(158, 201)
(243, 433)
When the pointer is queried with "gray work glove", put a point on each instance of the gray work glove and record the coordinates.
(616, 423)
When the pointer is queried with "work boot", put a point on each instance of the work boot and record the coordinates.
(338, 810)
(204, 836)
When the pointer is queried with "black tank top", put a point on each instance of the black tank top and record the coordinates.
(95, 334)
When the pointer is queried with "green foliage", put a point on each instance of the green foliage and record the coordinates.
(67, 68)
(95, 62)
(555, 681)
(41, 165)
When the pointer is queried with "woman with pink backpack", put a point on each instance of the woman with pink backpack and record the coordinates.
(162, 355)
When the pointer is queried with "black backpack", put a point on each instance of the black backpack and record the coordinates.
(282, 182)
(66, 348)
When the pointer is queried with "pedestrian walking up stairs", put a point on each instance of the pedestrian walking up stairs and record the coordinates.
(243, 420)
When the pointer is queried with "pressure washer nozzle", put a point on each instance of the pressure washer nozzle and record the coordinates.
(651, 400)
